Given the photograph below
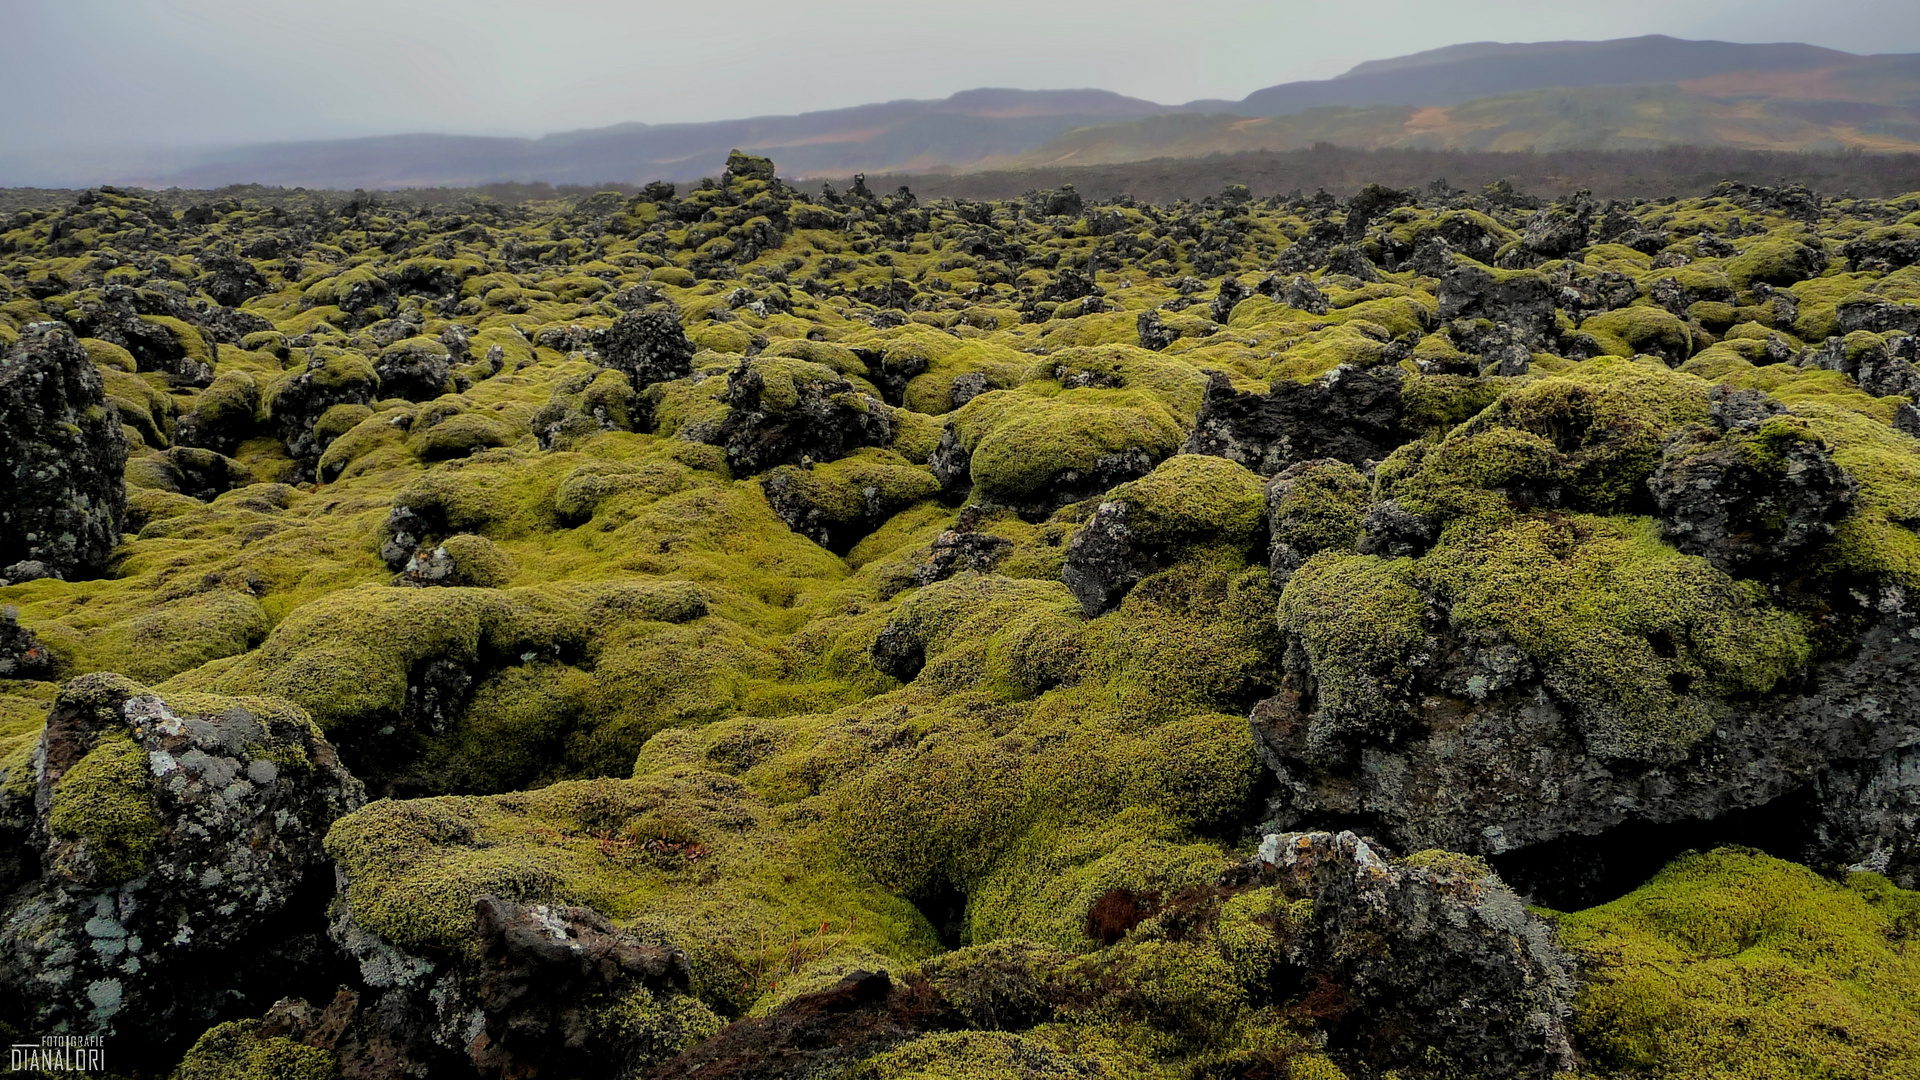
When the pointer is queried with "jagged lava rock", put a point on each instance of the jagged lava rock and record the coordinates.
(61, 456)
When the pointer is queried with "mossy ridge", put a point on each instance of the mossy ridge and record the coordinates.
(1022, 444)
(686, 856)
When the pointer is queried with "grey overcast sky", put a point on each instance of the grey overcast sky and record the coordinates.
(197, 72)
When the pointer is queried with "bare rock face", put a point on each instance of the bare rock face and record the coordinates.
(1522, 300)
(21, 654)
(415, 370)
(61, 456)
(180, 871)
(1868, 361)
(1153, 332)
(1347, 414)
(545, 990)
(961, 548)
(1430, 953)
(1752, 493)
(1104, 561)
(231, 281)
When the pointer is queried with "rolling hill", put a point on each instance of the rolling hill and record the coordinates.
(1632, 93)
(1594, 118)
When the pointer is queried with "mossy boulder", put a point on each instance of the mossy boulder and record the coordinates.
(332, 377)
(1312, 507)
(417, 369)
(180, 869)
(1188, 500)
(646, 346)
(1036, 453)
(1634, 330)
(223, 415)
(837, 503)
(1756, 493)
(770, 412)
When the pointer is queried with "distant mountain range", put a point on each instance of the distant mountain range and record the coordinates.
(1624, 94)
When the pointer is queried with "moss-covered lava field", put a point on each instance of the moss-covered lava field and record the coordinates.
(753, 632)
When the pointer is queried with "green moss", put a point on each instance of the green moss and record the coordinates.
(185, 336)
(109, 356)
(23, 716)
(1638, 640)
(846, 498)
(236, 1050)
(359, 447)
(339, 420)
(1193, 496)
(1358, 619)
(1633, 330)
(668, 624)
(1355, 344)
(102, 805)
(435, 438)
(1051, 879)
(1732, 964)
(1774, 260)
(1322, 508)
(477, 561)
(1022, 444)
(346, 658)
(1586, 440)
(1180, 386)
(181, 634)
(653, 1028)
(687, 857)
(999, 1055)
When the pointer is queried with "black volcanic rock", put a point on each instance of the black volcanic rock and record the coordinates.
(61, 455)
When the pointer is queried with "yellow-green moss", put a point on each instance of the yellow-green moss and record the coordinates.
(1021, 444)
(684, 856)
(104, 805)
(1358, 620)
(1640, 330)
(236, 1050)
(1322, 508)
(1636, 638)
(1731, 965)
(1193, 496)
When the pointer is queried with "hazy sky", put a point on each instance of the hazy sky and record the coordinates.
(153, 72)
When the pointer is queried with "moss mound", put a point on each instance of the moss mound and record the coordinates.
(1733, 964)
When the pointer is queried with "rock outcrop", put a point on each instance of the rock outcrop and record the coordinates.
(61, 456)
(648, 346)
(1348, 414)
(179, 865)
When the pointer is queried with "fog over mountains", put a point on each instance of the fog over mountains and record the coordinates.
(1632, 93)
